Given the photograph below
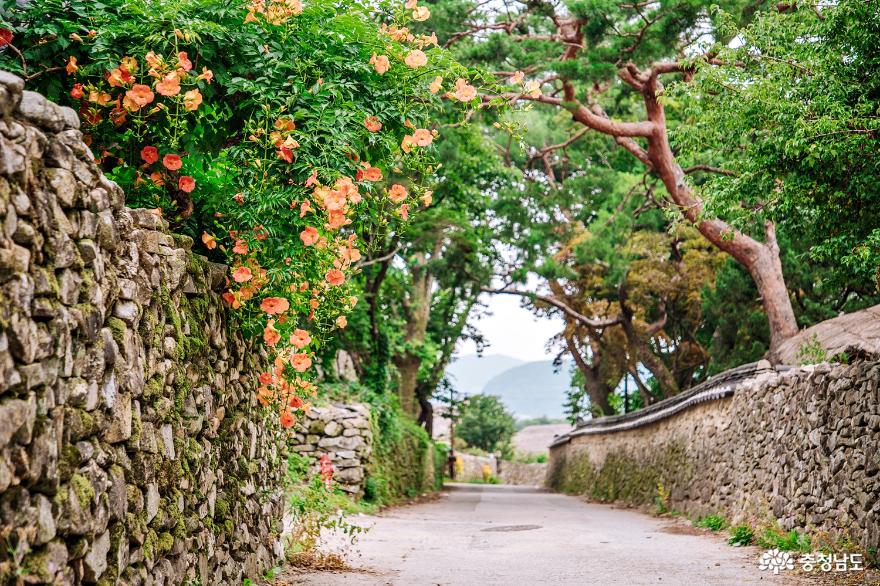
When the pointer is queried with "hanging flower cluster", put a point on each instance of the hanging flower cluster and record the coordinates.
(296, 188)
(126, 89)
(529, 88)
(274, 12)
(300, 305)
(132, 96)
(167, 171)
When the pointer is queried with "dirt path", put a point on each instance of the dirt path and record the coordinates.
(486, 535)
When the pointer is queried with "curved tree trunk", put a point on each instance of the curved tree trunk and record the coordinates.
(596, 388)
(665, 378)
(418, 310)
(407, 378)
(760, 259)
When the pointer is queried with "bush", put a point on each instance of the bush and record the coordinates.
(741, 535)
(315, 507)
(712, 523)
(441, 454)
(773, 537)
(402, 465)
(661, 500)
(529, 458)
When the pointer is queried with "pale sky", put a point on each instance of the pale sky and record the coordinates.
(513, 330)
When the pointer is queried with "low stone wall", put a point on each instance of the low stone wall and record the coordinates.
(132, 450)
(470, 468)
(800, 448)
(522, 474)
(405, 463)
(343, 433)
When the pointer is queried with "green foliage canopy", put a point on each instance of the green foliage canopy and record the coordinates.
(485, 423)
(791, 112)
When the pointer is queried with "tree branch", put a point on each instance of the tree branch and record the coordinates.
(582, 114)
(568, 310)
(377, 260)
(708, 169)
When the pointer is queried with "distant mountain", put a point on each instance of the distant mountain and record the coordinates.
(469, 374)
(532, 389)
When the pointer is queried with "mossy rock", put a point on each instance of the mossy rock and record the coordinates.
(117, 329)
(165, 542)
(221, 508)
(83, 490)
(79, 423)
(150, 544)
(137, 526)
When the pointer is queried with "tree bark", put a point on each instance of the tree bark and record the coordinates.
(407, 378)
(418, 309)
(597, 389)
(760, 259)
(666, 380)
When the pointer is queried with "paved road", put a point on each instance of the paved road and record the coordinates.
(477, 535)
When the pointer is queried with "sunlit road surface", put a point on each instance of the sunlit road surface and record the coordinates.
(483, 534)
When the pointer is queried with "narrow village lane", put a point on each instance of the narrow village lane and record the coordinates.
(487, 535)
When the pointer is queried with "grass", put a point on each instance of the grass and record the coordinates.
(529, 458)
(741, 535)
(771, 537)
(712, 523)
(316, 560)
(786, 541)
(491, 480)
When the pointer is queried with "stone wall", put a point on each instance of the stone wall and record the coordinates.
(470, 468)
(518, 473)
(131, 447)
(343, 433)
(798, 448)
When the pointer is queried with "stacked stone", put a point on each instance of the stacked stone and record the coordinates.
(533, 474)
(131, 447)
(799, 448)
(470, 468)
(343, 433)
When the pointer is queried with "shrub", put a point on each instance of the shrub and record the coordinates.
(529, 458)
(811, 352)
(773, 537)
(401, 465)
(741, 535)
(661, 500)
(441, 455)
(712, 523)
(315, 507)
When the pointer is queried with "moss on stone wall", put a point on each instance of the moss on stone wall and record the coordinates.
(796, 449)
(134, 369)
(402, 465)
